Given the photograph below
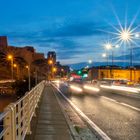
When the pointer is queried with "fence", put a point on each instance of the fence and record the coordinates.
(16, 119)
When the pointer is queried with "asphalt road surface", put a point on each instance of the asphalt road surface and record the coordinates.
(119, 122)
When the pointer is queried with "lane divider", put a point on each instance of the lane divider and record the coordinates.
(124, 104)
(86, 118)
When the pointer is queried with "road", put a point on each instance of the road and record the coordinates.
(119, 122)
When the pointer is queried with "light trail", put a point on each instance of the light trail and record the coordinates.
(91, 88)
(121, 88)
(76, 88)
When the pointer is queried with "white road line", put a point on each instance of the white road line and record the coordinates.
(124, 104)
(91, 123)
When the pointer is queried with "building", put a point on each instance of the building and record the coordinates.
(62, 70)
(3, 43)
(38, 56)
(100, 73)
(52, 56)
(22, 56)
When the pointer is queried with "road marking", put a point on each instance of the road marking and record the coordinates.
(124, 104)
(91, 123)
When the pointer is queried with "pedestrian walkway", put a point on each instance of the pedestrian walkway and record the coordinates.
(51, 123)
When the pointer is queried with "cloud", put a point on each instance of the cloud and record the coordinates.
(73, 42)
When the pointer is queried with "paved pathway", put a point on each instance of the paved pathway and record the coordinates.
(51, 123)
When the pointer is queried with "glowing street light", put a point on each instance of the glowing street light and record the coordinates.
(117, 46)
(10, 57)
(15, 65)
(17, 70)
(104, 55)
(89, 61)
(127, 36)
(108, 46)
(54, 69)
(137, 35)
(50, 62)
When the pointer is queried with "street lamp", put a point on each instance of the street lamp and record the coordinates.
(50, 62)
(29, 77)
(137, 35)
(10, 57)
(126, 36)
(54, 69)
(17, 72)
(89, 61)
(104, 55)
(111, 47)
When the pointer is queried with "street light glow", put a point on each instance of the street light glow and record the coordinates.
(50, 62)
(15, 65)
(137, 35)
(108, 46)
(10, 57)
(89, 61)
(125, 35)
(27, 67)
(104, 55)
(54, 69)
(117, 46)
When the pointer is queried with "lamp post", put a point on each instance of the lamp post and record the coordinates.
(17, 72)
(108, 46)
(54, 70)
(111, 47)
(10, 57)
(104, 55)
(29, 77)
(51, 64)
(126, 36)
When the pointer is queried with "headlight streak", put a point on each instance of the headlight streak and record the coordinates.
(76, 88)
(91, 88)
(121, 88)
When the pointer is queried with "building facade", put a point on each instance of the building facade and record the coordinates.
(134, 75)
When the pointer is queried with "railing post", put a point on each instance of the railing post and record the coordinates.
(29, 114)
(10, 124)
(18, 118)
(34, 102)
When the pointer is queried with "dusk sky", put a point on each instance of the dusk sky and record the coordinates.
(72, 28)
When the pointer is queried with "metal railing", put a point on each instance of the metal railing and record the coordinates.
(16, 119)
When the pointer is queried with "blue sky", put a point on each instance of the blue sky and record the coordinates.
(72, 28)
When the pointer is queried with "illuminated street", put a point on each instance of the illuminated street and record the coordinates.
(110, 116)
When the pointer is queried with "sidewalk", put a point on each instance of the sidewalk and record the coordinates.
(50, 122)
